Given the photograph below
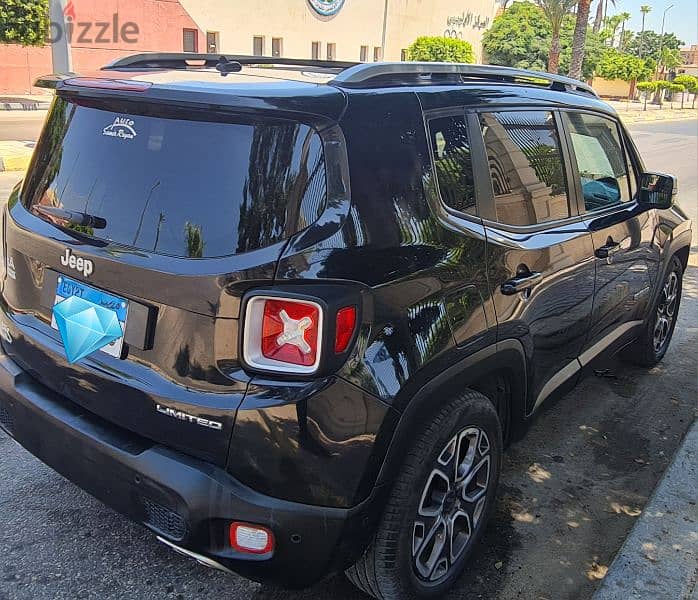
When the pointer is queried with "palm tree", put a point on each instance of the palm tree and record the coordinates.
(580, 38)
(555, 11)
(624, 16)
(644, 9)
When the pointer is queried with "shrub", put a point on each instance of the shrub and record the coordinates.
(441, 49)
(24, 22)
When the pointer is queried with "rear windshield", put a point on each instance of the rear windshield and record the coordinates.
(184, 188)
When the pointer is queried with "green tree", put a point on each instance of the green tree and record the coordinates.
(519, 38)
(689, 83)
(652, 43)
(675, 88)
(555, 11)
(662, 86)
(670, 59)
(24, 22)
(441, 49)
(646, 88)
(593, 49)
(619, 65)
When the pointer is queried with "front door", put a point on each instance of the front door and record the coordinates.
(540, 253)
(622, 232)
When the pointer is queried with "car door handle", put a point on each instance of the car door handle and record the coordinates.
(609, 249)
(521, 284)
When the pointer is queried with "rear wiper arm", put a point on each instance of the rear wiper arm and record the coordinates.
(60, 216)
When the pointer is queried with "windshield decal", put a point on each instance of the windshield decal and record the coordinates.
(122, 127)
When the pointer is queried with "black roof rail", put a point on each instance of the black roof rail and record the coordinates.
(190, 60)
(372, 74)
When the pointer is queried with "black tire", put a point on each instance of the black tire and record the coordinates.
(645, 350)
(388, 570)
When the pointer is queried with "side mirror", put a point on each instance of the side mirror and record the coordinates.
(658, 190)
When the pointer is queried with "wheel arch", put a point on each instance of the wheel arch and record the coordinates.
(504, 361)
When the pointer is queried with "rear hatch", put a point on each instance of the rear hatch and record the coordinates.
(165, 216)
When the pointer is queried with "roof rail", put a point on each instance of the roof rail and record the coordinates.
(367, 75)
(190, 60)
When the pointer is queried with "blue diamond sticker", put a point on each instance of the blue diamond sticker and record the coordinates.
(85, 327)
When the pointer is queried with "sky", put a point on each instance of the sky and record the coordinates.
(682, 19)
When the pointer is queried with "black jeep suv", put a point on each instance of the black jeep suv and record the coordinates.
(287, 315)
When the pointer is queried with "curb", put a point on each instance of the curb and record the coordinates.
(15, 156)
(659, 558)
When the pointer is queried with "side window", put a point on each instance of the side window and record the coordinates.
(526, 165)
(452, 162)
(601, 161)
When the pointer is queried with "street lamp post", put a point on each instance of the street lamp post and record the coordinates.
(60, 44)
(661, 37)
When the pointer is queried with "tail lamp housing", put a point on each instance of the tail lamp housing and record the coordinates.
(301, 335)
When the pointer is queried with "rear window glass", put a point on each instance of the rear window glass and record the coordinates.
(184, 188)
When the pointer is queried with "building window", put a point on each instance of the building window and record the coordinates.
(377, 54)
(277, 47)
(331, 51)
(212, 42)
(404, 55)
(363, 57)
(317, 46)
(190, 40)
(258, 45)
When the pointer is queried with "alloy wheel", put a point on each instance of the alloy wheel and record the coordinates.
(666, 312)
(452, 504)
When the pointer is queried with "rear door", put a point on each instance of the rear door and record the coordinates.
(540, 254)
(605, 182)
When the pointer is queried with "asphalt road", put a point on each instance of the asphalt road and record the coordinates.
(569, 495)
(23, 126)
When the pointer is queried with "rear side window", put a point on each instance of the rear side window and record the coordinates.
(601, 161)
(452, 162)
(184, 188)
(528, 176)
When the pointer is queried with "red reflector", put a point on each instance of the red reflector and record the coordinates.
(109, 84)
(251, 539)
(346, 323)
(290, 332)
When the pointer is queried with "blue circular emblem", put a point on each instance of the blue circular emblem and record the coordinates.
(326, 8)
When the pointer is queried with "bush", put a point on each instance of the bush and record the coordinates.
(619, 65)
(441, 49)
(647, 87)
(24, 22)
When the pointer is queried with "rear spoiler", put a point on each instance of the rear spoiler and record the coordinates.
(50, 82)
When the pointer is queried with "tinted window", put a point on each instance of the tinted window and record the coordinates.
(600, 160)
(454, 169)
(528, 179)
(185, 188)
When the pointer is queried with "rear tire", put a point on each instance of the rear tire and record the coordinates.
(439, 506)
(648, 349)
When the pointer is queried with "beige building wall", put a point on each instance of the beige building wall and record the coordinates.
(359, 23)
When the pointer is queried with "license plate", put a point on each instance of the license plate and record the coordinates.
(67, 287)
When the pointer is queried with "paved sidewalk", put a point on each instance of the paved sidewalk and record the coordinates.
(659, 559)
(633, 112)
(15, 156)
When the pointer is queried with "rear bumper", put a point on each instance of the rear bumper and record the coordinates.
(186, 502)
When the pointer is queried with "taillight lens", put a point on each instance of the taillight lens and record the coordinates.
(346, 324)
(283, 334)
